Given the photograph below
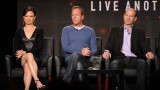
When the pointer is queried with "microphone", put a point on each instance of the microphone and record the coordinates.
(129, 32)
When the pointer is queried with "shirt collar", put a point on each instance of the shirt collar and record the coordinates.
(78, 28)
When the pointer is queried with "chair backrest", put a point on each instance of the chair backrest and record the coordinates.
(157, 52)
(148, 40)
(48, 49)
(99, 46)
(157, 45)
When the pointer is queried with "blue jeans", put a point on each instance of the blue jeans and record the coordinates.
(75, 61)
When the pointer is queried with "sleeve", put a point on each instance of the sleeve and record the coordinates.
(144, 45)
(16, 41)
(93, 43)
(38, 45)
(109, 44)
(65, 42)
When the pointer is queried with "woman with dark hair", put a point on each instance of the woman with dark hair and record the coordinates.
(28, 45)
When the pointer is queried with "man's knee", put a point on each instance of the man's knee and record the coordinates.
(73, 58)
(75, 54)
(142, 63)
(114, 65)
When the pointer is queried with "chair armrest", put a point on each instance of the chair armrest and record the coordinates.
(152, 65)
(8, 64)
(148, 67)
(59, 62)
(157, 63)
(107, 64)
(49, 66)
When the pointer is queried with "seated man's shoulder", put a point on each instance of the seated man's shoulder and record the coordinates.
(88, 28)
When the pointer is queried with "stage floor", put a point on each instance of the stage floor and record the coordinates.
(57, 84)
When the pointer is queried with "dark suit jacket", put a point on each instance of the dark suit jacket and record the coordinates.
(139, 45)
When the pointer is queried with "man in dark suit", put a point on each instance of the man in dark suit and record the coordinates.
(128, 47)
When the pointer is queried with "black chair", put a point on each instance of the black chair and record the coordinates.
(44, 71)
(131, 72)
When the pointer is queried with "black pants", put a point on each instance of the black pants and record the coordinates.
(154, 81)
(130, 62)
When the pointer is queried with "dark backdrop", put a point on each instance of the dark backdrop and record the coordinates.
(53, 15)
(8, 26)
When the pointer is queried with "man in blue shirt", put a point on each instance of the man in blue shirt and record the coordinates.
(127, 47)
(78, 42)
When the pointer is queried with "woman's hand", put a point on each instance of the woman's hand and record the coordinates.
(20, 53)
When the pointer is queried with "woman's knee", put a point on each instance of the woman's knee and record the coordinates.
(29, 56)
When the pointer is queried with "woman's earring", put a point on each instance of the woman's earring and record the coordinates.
(23, 23)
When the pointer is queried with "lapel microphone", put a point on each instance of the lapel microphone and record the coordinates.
(128, 31)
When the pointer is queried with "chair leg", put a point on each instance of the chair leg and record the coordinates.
(99, 82)
(106, 82)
